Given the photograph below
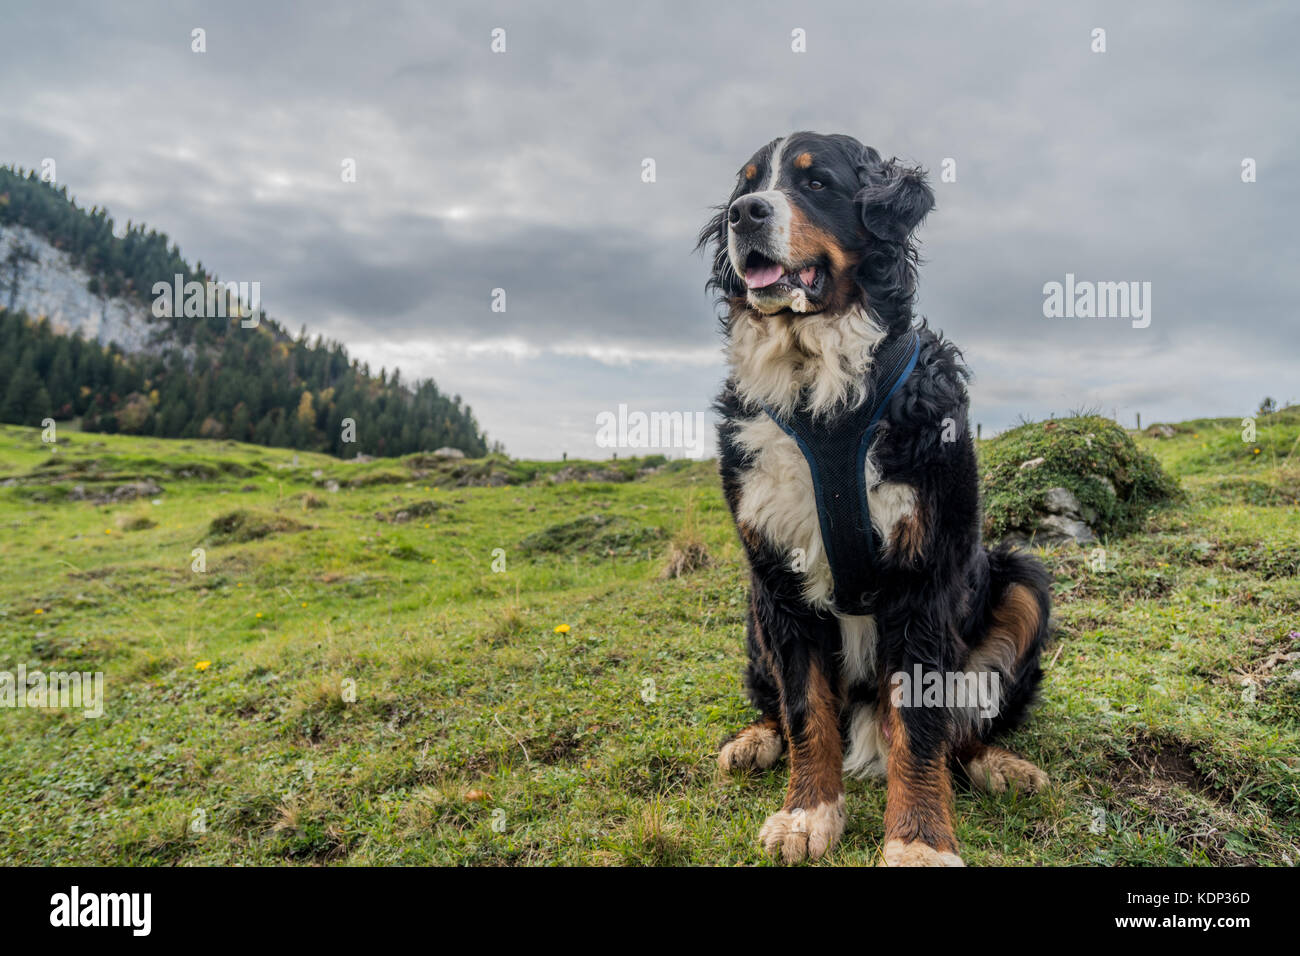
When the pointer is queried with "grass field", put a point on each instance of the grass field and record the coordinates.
(566, 707)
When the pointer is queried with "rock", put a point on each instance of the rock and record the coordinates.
(1032, 463)
(1161, 431)
(1063, 520)
(1063, 529)
(128, 492)
(576, 473)
(136, 489)
(1062, 501)
(449, 452)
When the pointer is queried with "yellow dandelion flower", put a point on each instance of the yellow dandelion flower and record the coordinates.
(304, 603)
(561, 629)
(39, 610)
(108, 531)
(202, 665)
(259, 614)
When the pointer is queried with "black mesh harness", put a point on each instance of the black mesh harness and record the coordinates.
(836, 451)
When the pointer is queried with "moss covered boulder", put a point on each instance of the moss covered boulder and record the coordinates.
(1068, 479)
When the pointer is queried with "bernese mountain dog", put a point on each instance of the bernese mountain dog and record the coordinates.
(848, 465)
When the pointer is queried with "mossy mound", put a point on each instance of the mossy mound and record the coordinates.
(1061, 479)
(239, 526)
(609, 535)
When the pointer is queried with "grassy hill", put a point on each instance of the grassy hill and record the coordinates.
(566, 709)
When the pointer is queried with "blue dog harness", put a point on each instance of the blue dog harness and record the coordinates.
(836, 451)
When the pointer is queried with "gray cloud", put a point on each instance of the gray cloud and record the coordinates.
(522, 171)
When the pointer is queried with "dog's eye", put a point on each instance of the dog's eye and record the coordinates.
(815, 184)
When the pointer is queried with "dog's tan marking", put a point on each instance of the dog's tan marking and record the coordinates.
(749, 534)
(809, 242)
(816, 755)
(812, 817)
(918, 804)
(1015, 625)
(908, 540)
(803, 160)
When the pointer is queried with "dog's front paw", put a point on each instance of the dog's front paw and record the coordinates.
(795, 834)
(916, 853)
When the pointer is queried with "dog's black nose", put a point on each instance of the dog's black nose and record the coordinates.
(749, 213)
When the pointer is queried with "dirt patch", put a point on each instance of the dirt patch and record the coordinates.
(1169, 762)
(1157, 775)
(561, 746)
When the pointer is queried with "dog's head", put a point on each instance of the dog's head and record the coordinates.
(819, 224)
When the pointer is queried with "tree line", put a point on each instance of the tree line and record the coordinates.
(207, 377)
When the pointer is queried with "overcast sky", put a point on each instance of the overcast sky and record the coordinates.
(522, 171)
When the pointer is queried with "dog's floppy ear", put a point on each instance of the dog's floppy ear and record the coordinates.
(713, 240)
(893, 200)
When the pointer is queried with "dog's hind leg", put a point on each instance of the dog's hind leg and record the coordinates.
(995, 770)
(1010, 648)
(757, 747)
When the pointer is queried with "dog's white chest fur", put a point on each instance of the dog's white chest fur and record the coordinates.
(778, 362)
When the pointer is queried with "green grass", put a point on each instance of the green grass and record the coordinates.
(567, 709)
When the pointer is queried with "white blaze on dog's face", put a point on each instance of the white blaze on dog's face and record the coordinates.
(793, 234)
(759, 222)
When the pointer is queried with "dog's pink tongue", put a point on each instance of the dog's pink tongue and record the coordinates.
(761, 277)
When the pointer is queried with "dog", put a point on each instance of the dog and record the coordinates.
(854, 490)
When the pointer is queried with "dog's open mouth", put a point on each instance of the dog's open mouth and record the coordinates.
(767, 278)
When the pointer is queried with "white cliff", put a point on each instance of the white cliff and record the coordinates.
(51, 286)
